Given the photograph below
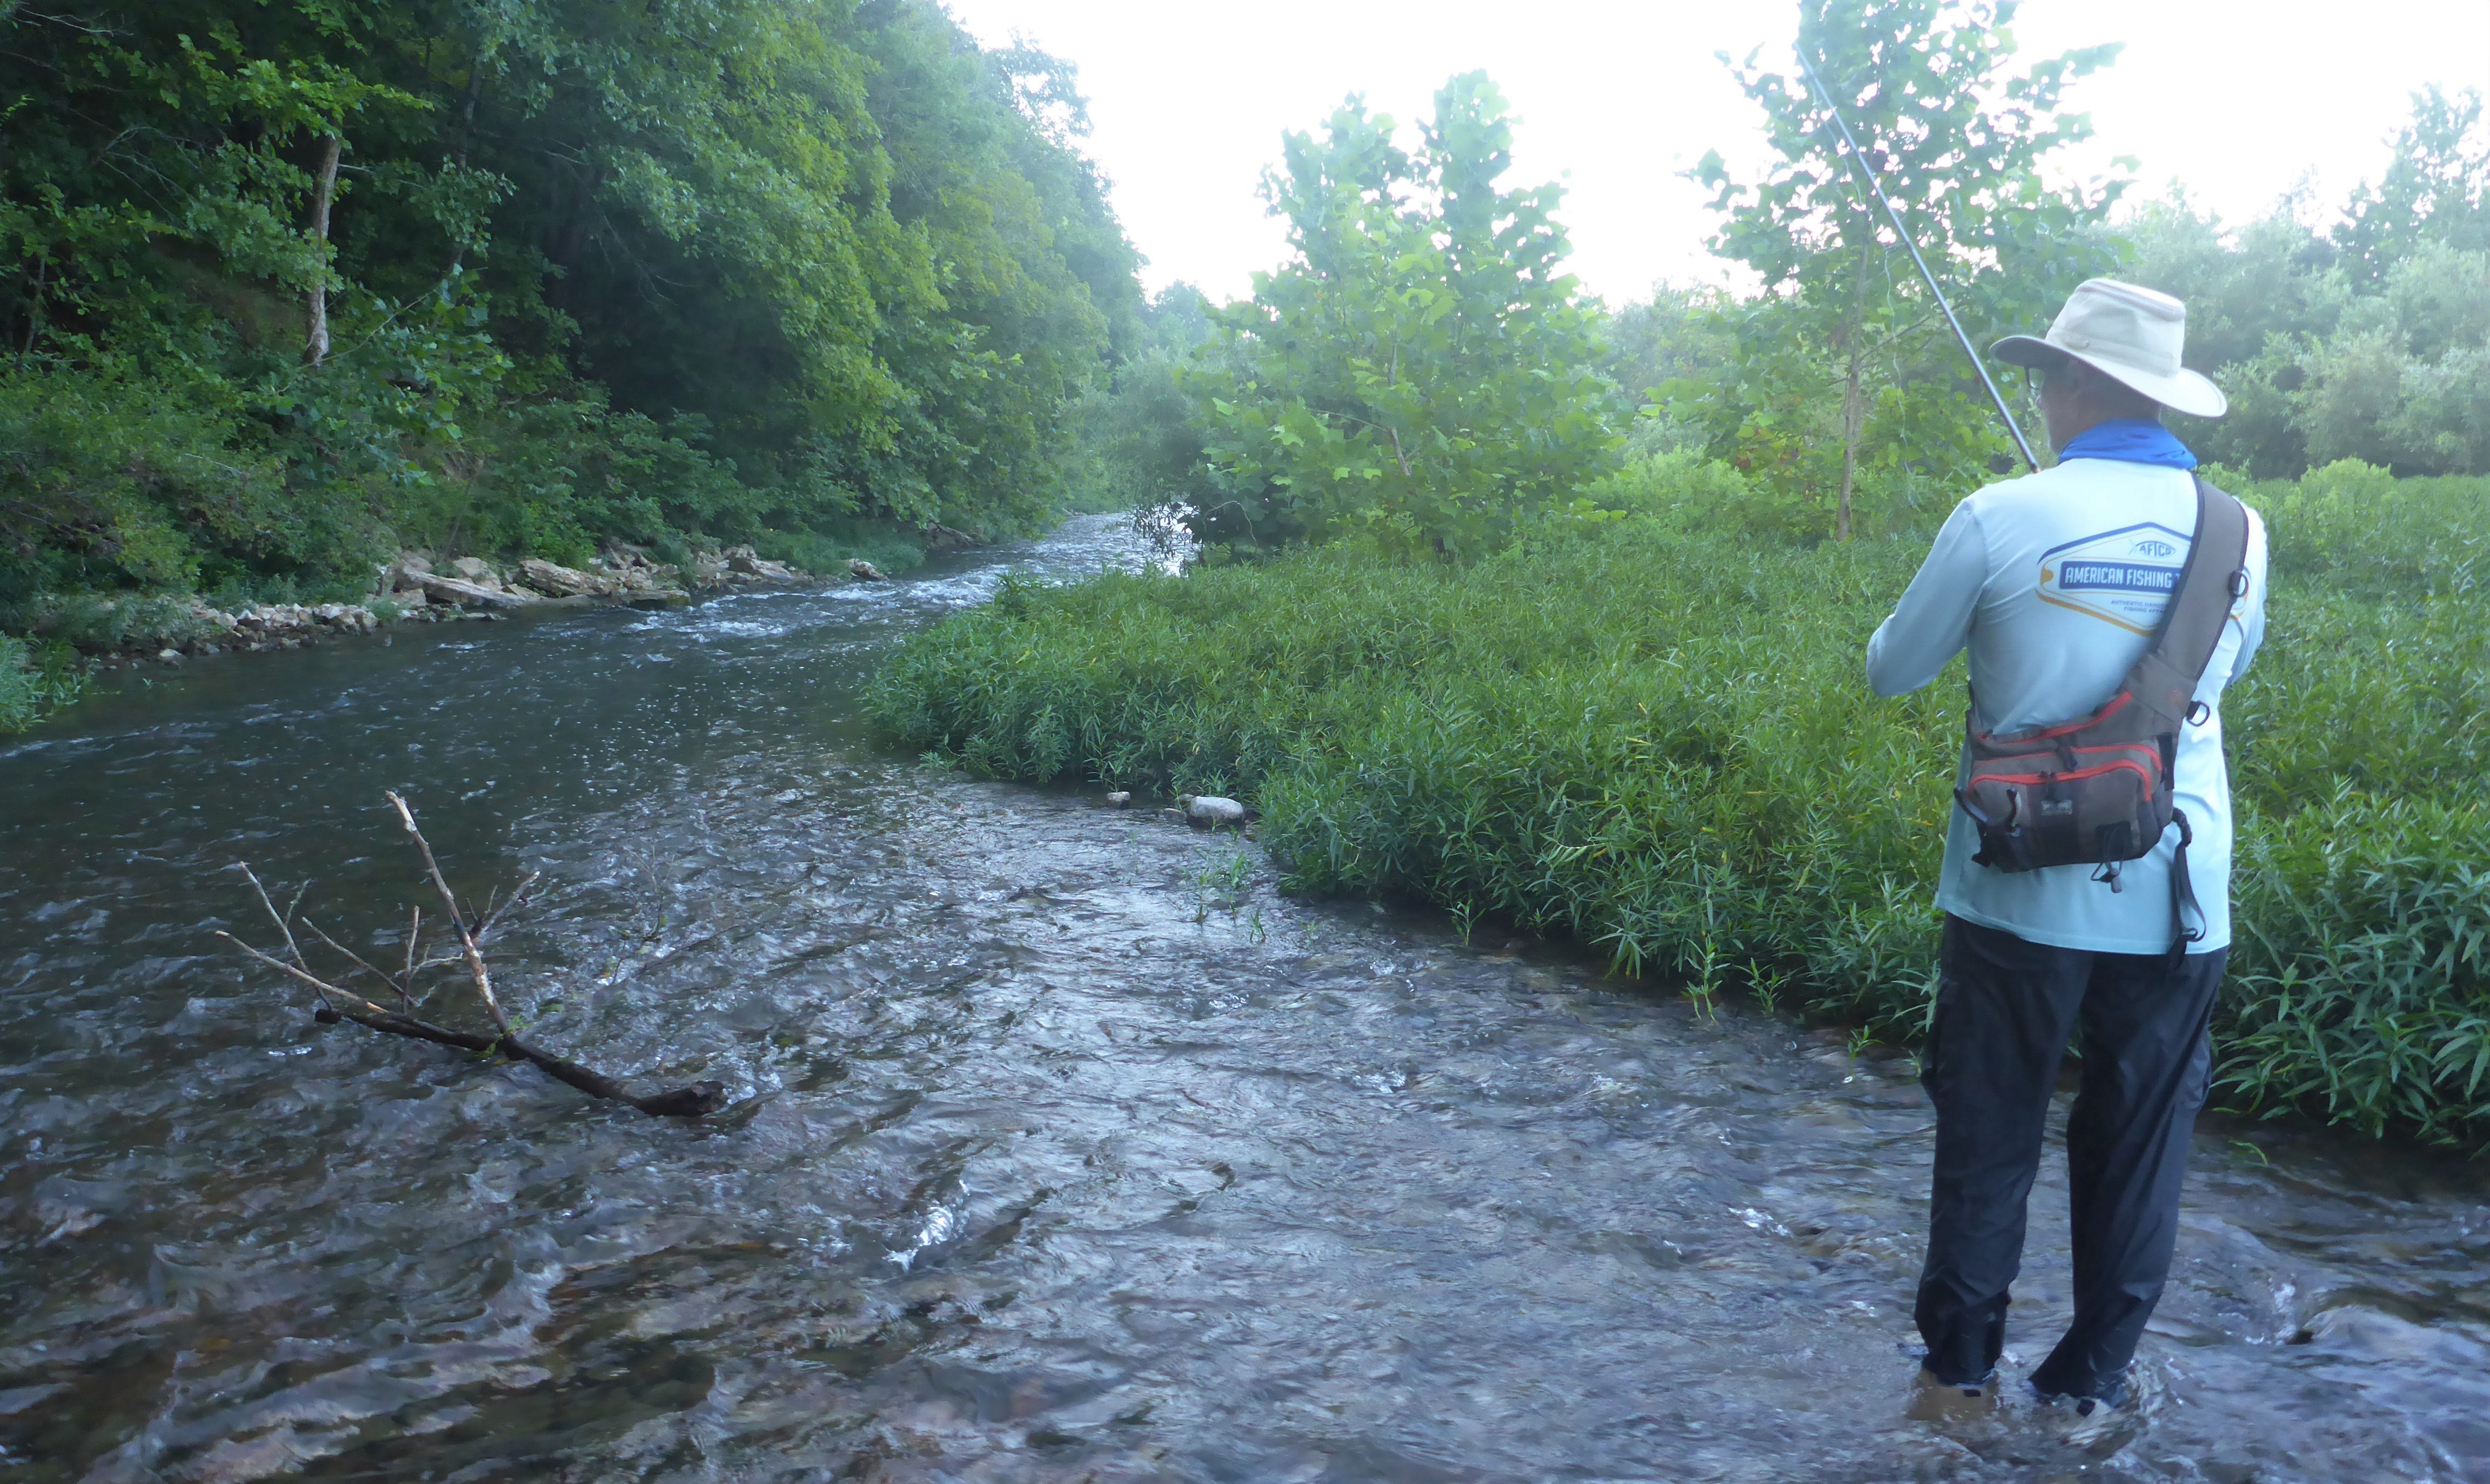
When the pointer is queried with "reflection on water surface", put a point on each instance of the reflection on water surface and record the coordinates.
(1054, 1156)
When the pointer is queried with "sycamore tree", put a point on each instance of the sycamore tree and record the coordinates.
(1422, 372)
(1846, 366)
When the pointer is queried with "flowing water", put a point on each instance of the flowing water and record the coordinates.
(1061, 1148)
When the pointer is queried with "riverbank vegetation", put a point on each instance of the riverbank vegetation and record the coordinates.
(287, 286)
(1594, 670)
(1649, 734)
(35, 681)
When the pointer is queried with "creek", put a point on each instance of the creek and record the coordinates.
(1060, 1146)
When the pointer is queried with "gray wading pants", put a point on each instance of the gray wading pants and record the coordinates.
(2004, 1011)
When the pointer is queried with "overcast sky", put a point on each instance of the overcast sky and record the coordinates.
(2239, 99)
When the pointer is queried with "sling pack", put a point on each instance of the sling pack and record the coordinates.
(2098, 791)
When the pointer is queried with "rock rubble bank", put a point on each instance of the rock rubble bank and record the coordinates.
(417, 586)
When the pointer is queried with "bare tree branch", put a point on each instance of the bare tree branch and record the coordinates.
(476, 969)
(274, 916)
(339, 1003)
(405, 999)
(493, 915)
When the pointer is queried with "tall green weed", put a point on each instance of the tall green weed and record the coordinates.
(35, 681)
(1650, 734)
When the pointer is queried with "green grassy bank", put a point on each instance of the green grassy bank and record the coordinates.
(1650, 734)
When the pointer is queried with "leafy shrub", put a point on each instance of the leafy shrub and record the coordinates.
(102, 625)
(242, 589)
(1651, 734)
(2361, 529)
(828, 552)
(35, 681)
(108, 481)
(1683, 490)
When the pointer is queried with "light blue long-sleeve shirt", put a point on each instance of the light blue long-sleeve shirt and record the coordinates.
(2055, 584)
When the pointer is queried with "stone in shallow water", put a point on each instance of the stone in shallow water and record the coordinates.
(1210, 809)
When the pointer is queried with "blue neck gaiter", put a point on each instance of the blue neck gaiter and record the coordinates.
(2131, 441)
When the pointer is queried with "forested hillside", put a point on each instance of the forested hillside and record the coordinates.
(285, 284)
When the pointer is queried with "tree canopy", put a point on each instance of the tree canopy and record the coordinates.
(2367, 339)
(1958, 140)
(285, 282)
(738, 268)
(1422, 370)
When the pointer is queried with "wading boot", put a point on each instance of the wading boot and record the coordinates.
(1948, 1402)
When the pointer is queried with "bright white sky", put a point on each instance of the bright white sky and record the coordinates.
(2237, 100)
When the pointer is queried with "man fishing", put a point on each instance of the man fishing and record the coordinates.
(2063, 917)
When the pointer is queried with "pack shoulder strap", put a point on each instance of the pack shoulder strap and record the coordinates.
(2214, 576)
(2213, 579)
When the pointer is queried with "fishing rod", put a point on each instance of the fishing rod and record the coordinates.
(1904, 232)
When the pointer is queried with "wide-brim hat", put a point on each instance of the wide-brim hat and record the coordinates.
(2132, 336)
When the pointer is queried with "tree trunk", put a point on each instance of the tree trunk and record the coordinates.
(466, 130)
(35, 306)
(1853, 420)
(315, 345)
(1854, 407)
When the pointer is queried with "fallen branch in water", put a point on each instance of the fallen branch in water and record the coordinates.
(469, 930)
